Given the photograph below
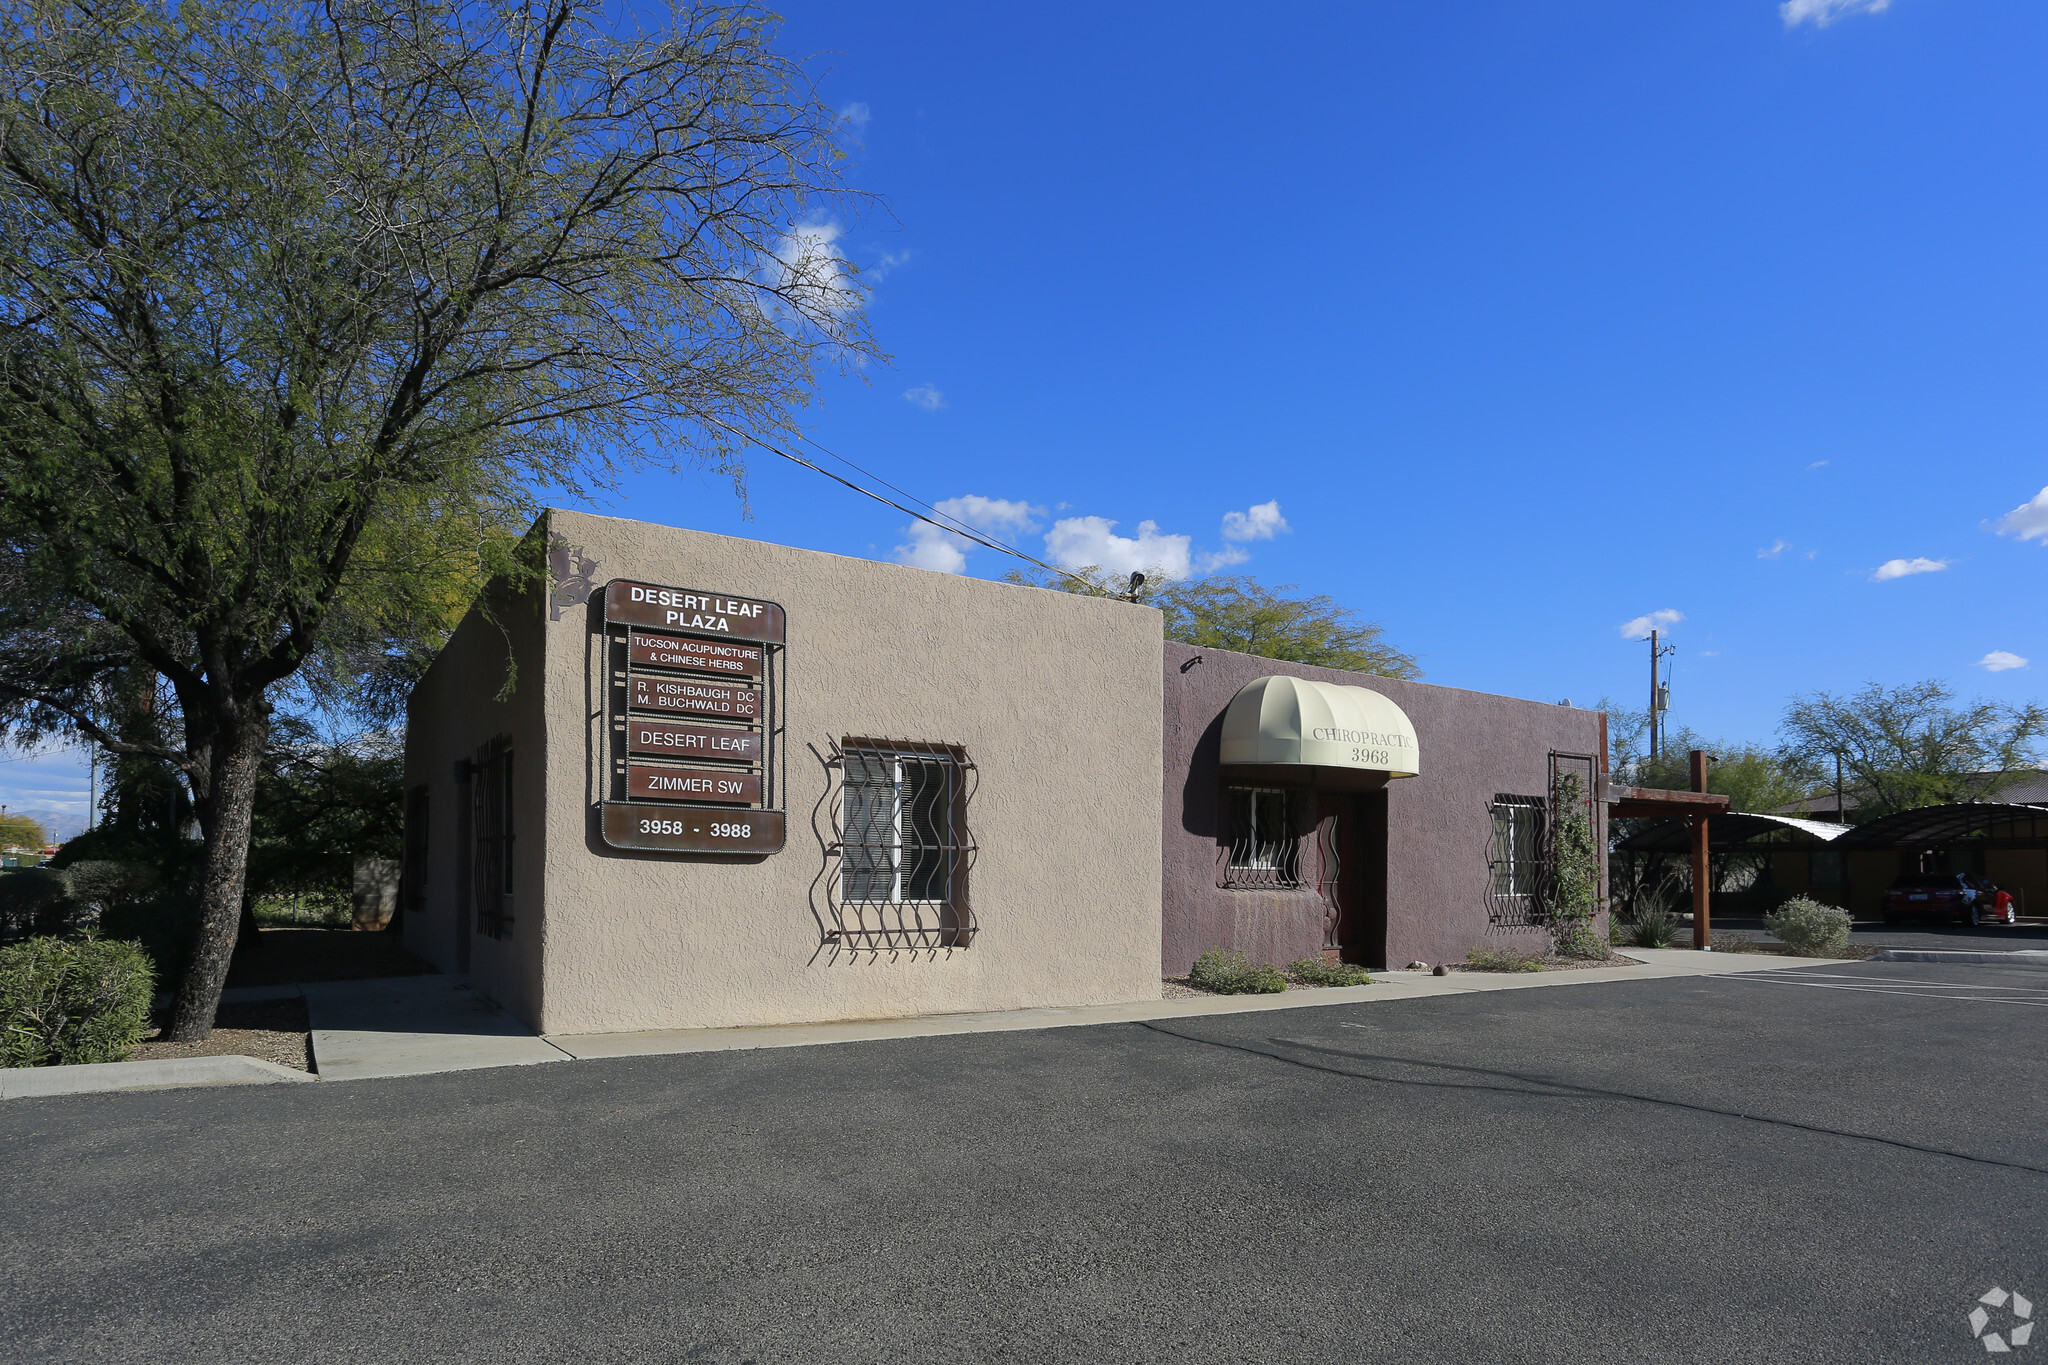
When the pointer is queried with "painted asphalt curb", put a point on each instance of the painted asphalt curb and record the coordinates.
(28, 1082)
(2019, 957)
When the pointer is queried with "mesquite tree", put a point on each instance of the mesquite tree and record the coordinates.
(307, 307)
(1910, 745)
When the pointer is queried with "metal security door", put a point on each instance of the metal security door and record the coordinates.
(1336, 870)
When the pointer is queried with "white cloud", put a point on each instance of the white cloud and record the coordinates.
(1777, 548)
(934, 547)
(856, 116)
(1221, 559)
(1998, 660)
(1905, 568)
(1818, 464)
(1075, 541)
(1821, 13)
(2028, 521)
(1661, 619)
(926, 396)
(810, 270)
(1261, 522)
(878, 269)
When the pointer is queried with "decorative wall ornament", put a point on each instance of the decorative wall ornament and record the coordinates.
(574, 576)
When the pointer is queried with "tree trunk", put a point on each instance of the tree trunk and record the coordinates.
(237, 754)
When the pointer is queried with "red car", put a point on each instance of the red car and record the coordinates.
(1959, 897)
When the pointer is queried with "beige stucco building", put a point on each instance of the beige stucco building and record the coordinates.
(967, 775)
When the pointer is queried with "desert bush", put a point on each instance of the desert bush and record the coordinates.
(46, 902)
(1809, 928)
(35, 902)
(68, 1001)
(1228, 972)
(1504, 960)
(1313, 971)
(162, 926)
(105, 884)
(1652, 927)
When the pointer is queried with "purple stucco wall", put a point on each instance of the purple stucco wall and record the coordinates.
(1473, 745)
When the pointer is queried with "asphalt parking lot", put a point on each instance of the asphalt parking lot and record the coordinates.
(1830, 1164)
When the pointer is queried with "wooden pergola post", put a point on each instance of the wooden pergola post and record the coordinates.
(1702, 872)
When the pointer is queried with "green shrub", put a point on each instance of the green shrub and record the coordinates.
(1313, 971)
(104, 883)
(67, 1001)
(1504, 960)
(1809, 928)
(34, 902)
(1652, 927)
(163, 927)
(1227, 972)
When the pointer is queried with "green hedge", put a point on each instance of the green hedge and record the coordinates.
(67, 1001)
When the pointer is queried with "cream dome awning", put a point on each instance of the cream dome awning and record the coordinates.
(1293, 720)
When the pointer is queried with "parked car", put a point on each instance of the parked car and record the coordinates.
(1960, 897)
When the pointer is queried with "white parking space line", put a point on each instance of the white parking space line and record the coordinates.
(1909, 982)
(1941, 990)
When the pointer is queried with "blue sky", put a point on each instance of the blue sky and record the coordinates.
(1532, 321)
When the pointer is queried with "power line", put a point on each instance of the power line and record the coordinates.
(959, 528)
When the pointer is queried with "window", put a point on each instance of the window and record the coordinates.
(903, 850)
(492, 824)
(1262, 833)
(1515, 857)
(1827, 867)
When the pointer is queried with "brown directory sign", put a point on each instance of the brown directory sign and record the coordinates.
(689, 611)
(693, 696)
(692, 784)
(684, 829)
(676, 740)
(710, 656)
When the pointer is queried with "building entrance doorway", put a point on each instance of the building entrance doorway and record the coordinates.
(1351, 875)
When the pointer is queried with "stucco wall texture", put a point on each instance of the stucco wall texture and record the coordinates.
(1473, 745)
(453, 711)
(1054, 697)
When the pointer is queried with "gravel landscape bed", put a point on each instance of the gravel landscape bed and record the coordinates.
(269, 1030)
(1554, 963)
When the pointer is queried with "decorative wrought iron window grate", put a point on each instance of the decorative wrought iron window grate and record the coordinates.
(490, 795)
(900, 834)
(1518, 860)
(1262, 837)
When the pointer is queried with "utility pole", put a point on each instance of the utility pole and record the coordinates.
(1660, 695)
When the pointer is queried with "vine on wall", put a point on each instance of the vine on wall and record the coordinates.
(1575, 875)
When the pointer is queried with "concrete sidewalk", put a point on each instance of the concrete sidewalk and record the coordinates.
(413, 1025)
(1387, 987)
(409, 1026)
